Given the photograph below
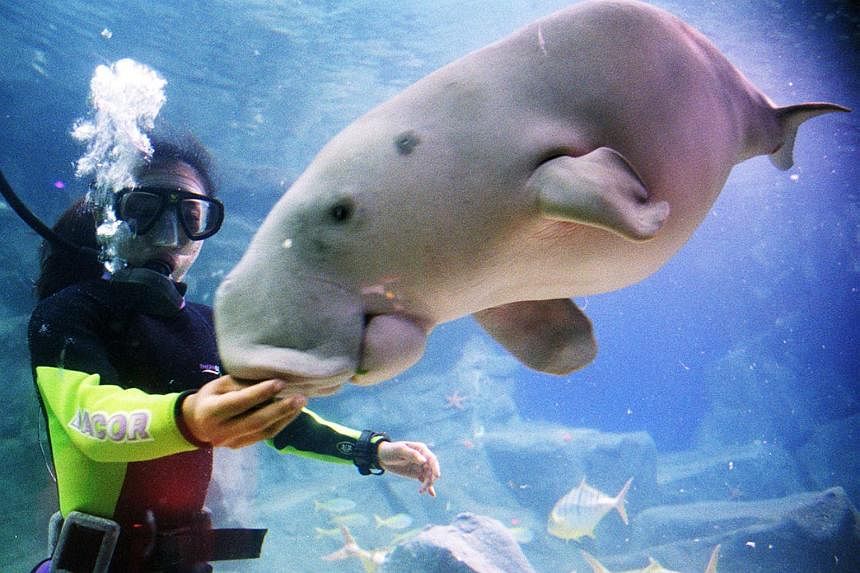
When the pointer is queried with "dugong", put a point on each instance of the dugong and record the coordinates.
(574, 157)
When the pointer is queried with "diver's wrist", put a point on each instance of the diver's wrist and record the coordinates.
(366, 452)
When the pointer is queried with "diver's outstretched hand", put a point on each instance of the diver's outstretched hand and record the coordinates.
(410, 459)
(227, 413)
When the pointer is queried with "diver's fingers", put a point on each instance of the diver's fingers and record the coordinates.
(239, 401)
(429, 477)
(248, 439)
(400, 457)
(431, 462)
(278, 426)
(414, 457)
(427, 487)
(278, 412)
(424, 473)
(431, 474)
(236, 442)
(263, 423)
(421, 448)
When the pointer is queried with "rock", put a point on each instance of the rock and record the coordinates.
(739, 473)
(756, 396)
(542, 461)
(818, 531)
(471, 544)
(474, 395)
(507, 471)
(829, 457)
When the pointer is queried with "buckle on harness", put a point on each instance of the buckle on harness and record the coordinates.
(86, 543)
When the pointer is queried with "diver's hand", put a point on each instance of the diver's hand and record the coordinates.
(410, 459)
(226, 413)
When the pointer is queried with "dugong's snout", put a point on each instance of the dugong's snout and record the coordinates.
(304, 331)
(312, 333)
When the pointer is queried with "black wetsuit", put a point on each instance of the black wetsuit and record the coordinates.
(111, 380)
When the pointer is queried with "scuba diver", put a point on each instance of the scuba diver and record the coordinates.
(133, 392)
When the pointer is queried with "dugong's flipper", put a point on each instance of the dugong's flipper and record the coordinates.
(599, 189)
(552, 336)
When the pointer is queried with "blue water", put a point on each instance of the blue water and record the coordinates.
(768, 284)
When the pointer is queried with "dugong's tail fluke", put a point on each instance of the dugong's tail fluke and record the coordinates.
(790, 117)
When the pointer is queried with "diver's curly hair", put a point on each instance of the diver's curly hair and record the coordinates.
(59, 267)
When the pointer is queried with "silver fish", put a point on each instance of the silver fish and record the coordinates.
(577, 514)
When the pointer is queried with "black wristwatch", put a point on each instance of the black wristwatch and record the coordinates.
(366, 452)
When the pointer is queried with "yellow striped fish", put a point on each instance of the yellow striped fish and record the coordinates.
(578, 513)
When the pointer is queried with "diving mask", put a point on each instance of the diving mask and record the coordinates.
(200, 216)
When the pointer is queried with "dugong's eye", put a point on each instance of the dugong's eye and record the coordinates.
(341, 211)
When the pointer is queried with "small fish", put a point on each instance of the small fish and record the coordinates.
(333, 532)
(335, 505)
(370, 560)
(396, 521)
(577, 514)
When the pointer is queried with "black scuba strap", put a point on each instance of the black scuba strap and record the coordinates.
(35, 223)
